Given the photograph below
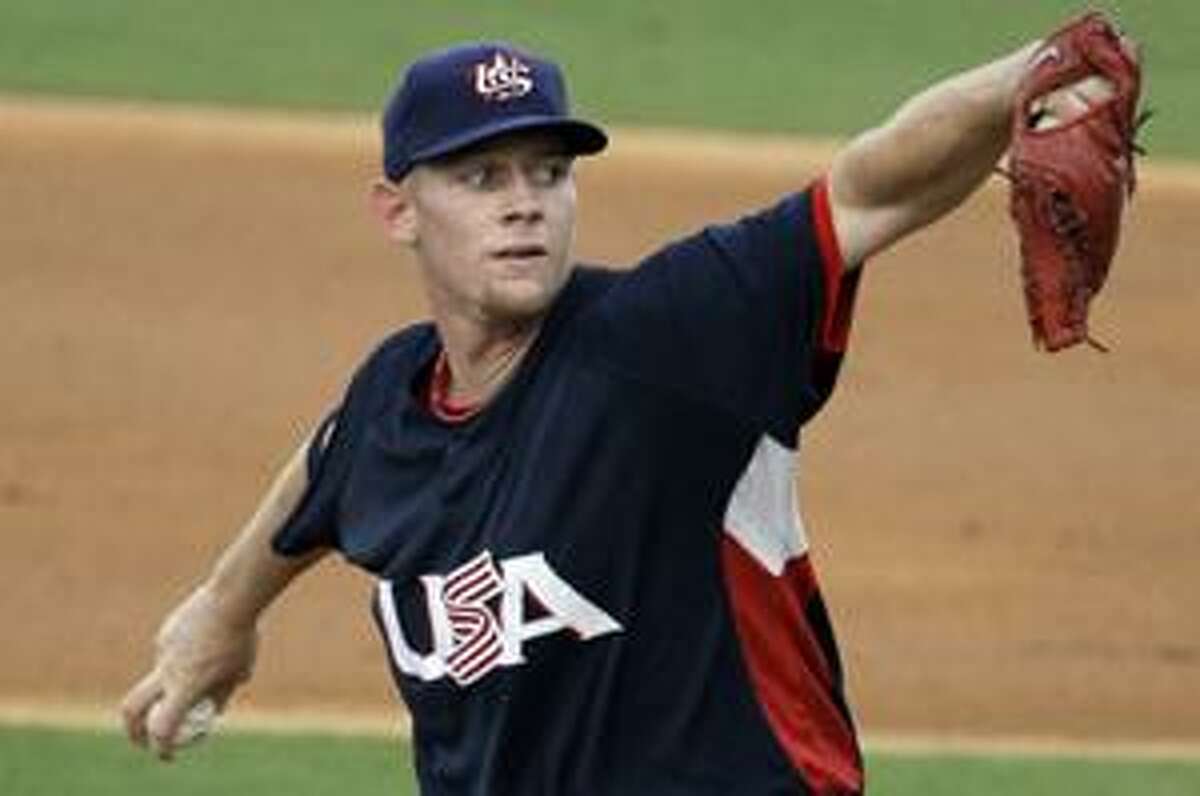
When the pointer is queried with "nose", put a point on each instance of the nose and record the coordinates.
(522, 202)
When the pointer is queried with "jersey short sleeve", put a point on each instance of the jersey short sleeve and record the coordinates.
(751, 315)
(311, 524)
(332, 448)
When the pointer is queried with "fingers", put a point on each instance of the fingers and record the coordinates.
(164, 719)
(1068, 103)
(136, 705)
(198, 655)
(152, 713)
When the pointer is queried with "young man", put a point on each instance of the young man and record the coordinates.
(575, 486)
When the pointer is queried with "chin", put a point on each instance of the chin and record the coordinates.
(522, 298)
(519, 304)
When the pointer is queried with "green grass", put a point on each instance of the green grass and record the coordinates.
(51, 762)
(981, 776)
(773, 65)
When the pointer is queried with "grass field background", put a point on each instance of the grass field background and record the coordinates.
(33, 763)
(774, 66)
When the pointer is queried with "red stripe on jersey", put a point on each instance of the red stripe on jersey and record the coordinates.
(791, 675)
(841, 286)
(471, 665)
(478, 587)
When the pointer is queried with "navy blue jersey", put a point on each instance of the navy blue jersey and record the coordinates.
(599, 583)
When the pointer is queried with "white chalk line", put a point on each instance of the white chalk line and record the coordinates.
(314, 720)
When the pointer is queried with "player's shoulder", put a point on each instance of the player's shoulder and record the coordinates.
(589, 282)
(787, 216)
(585, 289)
(410, 342)
(394, 358)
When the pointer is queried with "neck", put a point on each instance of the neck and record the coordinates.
(481, 360)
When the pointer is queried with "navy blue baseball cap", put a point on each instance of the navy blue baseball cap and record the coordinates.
(455, 98)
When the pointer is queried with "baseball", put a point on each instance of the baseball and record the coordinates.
(197, 723)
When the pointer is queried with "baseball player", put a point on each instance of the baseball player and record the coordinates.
(575, 485)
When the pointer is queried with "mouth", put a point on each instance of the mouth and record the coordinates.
(520, 253)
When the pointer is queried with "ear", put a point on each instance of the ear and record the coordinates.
(392, 204)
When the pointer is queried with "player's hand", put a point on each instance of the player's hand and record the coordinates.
(200, 654)
(1065, 105)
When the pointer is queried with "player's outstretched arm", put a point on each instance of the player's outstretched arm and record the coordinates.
(924, 161)
(206, 646)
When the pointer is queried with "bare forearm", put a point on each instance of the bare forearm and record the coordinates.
(929, 156)
(249, 575)
(206, 646)
(946, 139)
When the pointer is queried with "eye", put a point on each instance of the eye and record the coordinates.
(480, 175)
(550, 171)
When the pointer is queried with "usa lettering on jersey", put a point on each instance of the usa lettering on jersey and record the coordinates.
(478, 620)
(504, 78)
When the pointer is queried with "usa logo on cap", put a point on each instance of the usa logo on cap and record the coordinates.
(504, 78)
(455, 98)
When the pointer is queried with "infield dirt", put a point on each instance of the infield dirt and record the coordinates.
(1010, 542)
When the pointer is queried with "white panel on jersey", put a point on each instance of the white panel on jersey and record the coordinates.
(762, 513)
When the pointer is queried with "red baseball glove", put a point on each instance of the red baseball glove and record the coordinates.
(1071, 175)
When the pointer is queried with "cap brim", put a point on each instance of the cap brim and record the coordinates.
(581, 138)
